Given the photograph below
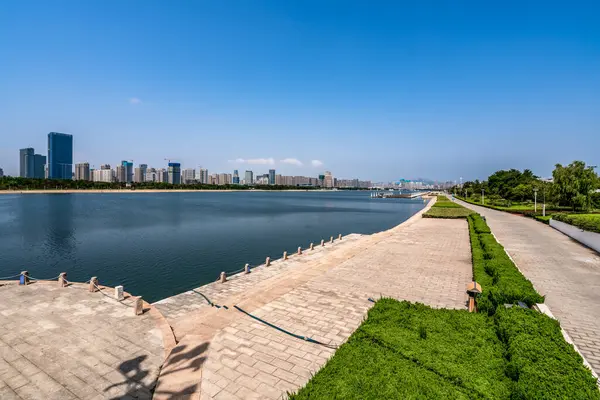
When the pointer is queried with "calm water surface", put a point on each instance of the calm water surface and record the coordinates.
(160, 244)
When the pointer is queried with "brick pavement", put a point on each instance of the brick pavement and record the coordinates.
(67, 343)
(323, 296)
(561, 269)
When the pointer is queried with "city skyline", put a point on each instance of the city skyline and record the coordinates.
(400, 90)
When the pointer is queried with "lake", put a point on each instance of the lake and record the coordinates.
(160, 244)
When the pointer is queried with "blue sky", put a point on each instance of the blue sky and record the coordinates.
(374, 90)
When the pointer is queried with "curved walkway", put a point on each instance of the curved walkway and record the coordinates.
(67, 343)
(322, 295)
(561, 269)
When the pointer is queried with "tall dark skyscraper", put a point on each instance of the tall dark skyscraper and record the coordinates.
(26, 161)
(236, 177)
(31, 165)
(174, 173)
(128, 171)
(271, 177)
(60, 156)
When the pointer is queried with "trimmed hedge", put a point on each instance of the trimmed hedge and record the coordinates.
(540, 362)
(587, 222)
(501, 281)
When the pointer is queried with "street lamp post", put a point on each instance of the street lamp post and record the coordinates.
(544, 206)
(483, 196)
(535, 190)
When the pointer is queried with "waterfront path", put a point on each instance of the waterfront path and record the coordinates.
(561, 269)
(67, 343)
(323, 294)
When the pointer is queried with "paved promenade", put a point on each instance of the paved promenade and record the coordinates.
(66, 343)
(563, 270)
(323, 294)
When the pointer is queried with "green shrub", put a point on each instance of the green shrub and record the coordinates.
(540, 362)
(500, 280)
(587, 222)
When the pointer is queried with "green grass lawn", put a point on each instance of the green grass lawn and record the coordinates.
(587, 222)
(444, 208)
(411, 351)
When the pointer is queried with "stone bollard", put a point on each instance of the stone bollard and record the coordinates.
(299, 250)
(285, 255)
(119, 293)
(138, 307)
(340, 236)
(93, 284)
(331, 239)
(223, 277)
(247, 269)
(312, 246)
(268, 261)
(323, 242)
(24, 278)
(62, 279)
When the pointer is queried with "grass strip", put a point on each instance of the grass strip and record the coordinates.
(412, 351)
(444, 208)
(540, 362)
(501, 281)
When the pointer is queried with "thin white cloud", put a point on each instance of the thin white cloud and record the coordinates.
(292, 161)
(135, 101)
(254, 161)
(316, 163)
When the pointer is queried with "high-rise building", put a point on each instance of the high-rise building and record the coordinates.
(121, 174)
(161, 175)
(174, 174)
(105, 166)
(1, 173)
(222, 180)
(203, 176)
(31, 165)
(39, 166)
(140, 173)
(328, 180)
(128, 166)
(26, 161)
(188, 175)
(82, 172)
(151, 175)
(249, 178)
(236, 177)
(271, 177)
(104, 175)
(60, 156)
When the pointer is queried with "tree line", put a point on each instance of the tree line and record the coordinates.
(573, 186)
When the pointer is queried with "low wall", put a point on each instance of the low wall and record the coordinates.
(590, 239)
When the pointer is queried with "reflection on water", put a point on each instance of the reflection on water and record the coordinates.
(160, 244)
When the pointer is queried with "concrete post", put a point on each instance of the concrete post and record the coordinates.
(285, 255)
(268, 261)
(331, 239)
(25, 275)
(62, 279)
(340, 236)
(138, 307)
(247, 269)
(119, 293)
(93, 284)
(312, 246)
(223, 277)
(299, 250)
(323, 242)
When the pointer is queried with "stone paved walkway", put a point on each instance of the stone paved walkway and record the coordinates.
(323, 296)
(563, 270)
(67, 343)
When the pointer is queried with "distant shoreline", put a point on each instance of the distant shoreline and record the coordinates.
(73, 191)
